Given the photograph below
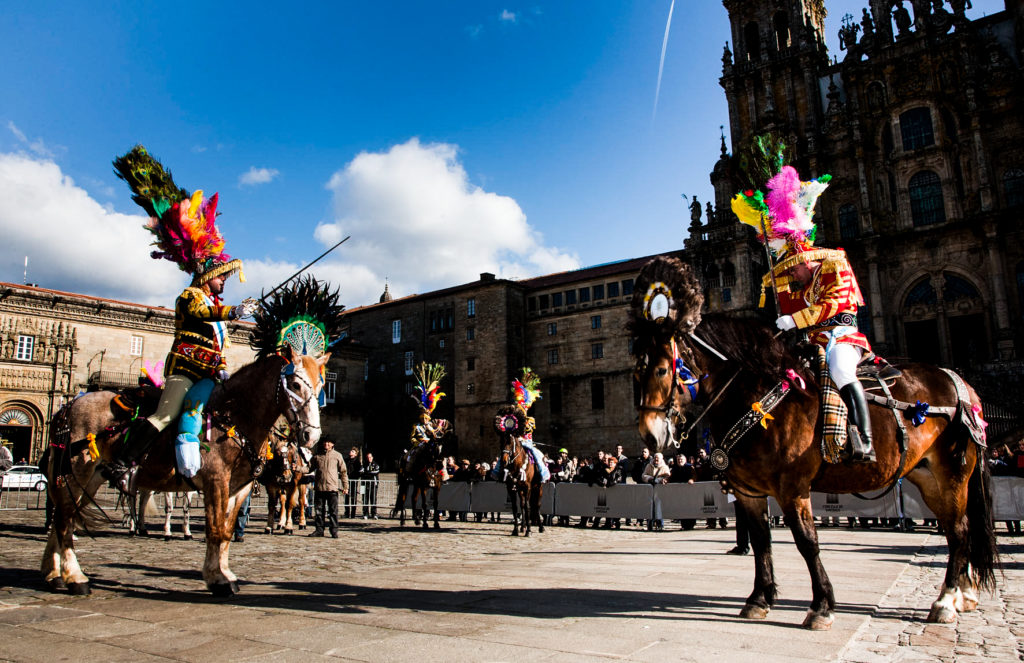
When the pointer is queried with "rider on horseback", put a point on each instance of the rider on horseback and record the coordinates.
(816, 290)
(185, 233)
(428, 378)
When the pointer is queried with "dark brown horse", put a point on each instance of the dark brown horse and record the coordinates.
(723, 366)
(282, 477)
(245, 409)
(522, 476)
(420, 469)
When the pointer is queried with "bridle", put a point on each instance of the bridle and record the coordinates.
(683, 377)
(296, 402)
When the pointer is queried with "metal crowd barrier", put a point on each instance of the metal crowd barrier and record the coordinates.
(669, 501)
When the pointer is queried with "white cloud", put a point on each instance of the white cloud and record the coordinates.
(507, 16)
(415, 218)
(474, 30)
(73, 242)
(37, 146)
(257, 176)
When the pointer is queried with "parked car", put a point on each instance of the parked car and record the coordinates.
(23, 477)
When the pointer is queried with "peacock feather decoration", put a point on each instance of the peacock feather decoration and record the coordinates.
(783, 216)
(183, 224)
(305, 316)
(526, 388)
(428, 379)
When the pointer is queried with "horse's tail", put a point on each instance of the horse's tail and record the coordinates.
(981, 533)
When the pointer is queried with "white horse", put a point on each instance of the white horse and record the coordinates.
(146, 497)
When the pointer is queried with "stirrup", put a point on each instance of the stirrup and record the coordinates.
(857, 451)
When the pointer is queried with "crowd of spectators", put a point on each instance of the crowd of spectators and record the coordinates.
(1006, 459)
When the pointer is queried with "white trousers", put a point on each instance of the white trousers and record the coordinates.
(842, 363)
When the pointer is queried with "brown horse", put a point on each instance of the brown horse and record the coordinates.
(282, 478)
(727, 365)
(420, 470)
(522, 476)
(244, 410)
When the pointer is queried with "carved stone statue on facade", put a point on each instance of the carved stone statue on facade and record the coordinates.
(710, 213)
(867, 24)
(695, 212)
(902, 18)
(848, 34)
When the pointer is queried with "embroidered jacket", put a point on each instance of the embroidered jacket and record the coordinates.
(200, 336)
(825, 307)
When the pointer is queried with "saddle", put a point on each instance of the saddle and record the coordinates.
(143, 398)
(874, 369)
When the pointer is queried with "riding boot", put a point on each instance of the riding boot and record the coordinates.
(859, 427)
(134, 443)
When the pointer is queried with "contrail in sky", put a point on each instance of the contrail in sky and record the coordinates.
(661, 65)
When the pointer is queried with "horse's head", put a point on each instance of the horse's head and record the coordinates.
(301, 395)
(511, 424)
(666, 306)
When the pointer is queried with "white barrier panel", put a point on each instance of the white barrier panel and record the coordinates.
(620, 501)
(489, 497)
(828, 505)
(454, 496)
(913, 504)
(1008, 498)
(703, 499)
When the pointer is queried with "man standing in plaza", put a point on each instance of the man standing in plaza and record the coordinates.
(370, 475)
(352, 466)
(331, 475)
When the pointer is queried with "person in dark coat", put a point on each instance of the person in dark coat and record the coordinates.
(331, 476)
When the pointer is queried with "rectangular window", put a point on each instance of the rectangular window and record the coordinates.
(470, 333)
(597, 350)
(449, 319)
(441, 343)
(471, 307)
(553, 356)
(366, 370)
(543, 302)
(471, 364)
(433, 321)
(584, 295)
(598, 292)
(408, 362)
(570, 297)
(916, 129)
(627, 287)
(556, 299)
(330, 389)
(136, 346)
(554, 396)
(531, 304)
(471, 388)
(597, 394)
(25, 345)
(552, 328)
(595, 322)
(613, 290)
(396, 331)
(726, 295)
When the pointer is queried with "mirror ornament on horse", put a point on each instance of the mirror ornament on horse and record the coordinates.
(759, 406)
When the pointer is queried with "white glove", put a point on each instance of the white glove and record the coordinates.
(785, 323)
(223, 375)
(246, 309)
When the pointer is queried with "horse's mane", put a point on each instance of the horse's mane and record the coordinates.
(685, 308)
(750, 342)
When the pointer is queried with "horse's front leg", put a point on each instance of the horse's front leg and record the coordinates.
(823, 602)
(221, 513)
(168, 511)
(513, 495)
(301, 488)
(186, 505)
(761, 600)
(289, 500)
(535, 495)
(426, 506)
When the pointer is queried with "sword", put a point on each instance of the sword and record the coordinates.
(285, 282)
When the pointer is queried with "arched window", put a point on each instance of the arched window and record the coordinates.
(752, 41)
(781, 24)
(711, 276)
(848, 226)
(956, 288)
(916, 129)
(922, 293)
(926, 204)
(1013, 186)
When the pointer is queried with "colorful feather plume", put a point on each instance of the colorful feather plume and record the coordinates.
(526, 389)
(183, 224)
(298, 315)
(428, 378)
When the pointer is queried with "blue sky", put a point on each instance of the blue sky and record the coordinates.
(448, 138)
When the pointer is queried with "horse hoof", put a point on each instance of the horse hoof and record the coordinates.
(79, 589)
(942, 614)
(57, 584)
(541, 529)
(224, 589)
(437, 525)
(189, 537)
(817, 621)
(267, 530)
(288, 531)
(515, 532)
(167, 537)
(753, 612)
(302, 527)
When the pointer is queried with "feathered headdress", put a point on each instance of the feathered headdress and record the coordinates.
(428, 379)
(305, 316)
(526, 389)
(183, 224)
(783, 216)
